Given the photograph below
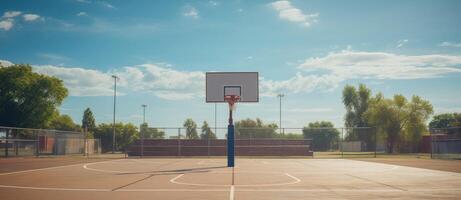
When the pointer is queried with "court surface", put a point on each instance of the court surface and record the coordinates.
(207, 178)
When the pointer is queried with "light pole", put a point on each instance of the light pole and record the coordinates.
(143, 128)
(215, 119)
(115, 97)
(144, 113)
(280, 113)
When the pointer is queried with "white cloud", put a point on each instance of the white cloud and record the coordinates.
(165, 82)
(349, 64)
(83, 1)
(31, 17)
(317, 73)
(213, 3)
(6, 24)
(11, 14)
(191, 12)
(80, 81)
(401, 43)
(450, 44)
(82, 14)
(5, 63)
(289, 12)
(106, 4)
(299, 83)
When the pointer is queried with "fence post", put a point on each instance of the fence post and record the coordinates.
(142, 140)
(6, 143)
(208, 138)
(376, 139)
(37, 144)
(342, 137)
(179, 141)
(431, 142)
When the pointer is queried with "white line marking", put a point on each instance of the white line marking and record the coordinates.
(176, 177)
(231, 195)
(296, 180)
(40, 169)
(55, 189)
(201, 162)
(358, 190)
(293, 177)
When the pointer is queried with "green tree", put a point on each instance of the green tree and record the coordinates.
(397, 116)
(63, 122)
(28, 99)
(151, 133)
(125, 134)
(207, 133)
(191, 129)
(446, 120)
(249, 128)
(356, 102)
(88, 122)
(324, 135)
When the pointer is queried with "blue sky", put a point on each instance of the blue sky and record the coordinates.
(307, 50)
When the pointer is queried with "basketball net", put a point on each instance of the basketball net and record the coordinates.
(232, 100)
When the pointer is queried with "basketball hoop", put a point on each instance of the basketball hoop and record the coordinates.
(232, 100)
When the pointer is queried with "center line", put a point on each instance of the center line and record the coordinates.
(231, 195)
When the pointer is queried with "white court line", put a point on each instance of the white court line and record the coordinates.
(57, 167)
(178, 176)
(358, 190)
(201, 162)
(231, 195)
(296, 180)
(56, 189)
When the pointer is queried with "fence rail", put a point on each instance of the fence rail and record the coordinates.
(42, 142)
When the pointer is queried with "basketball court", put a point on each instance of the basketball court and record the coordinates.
(210, 178)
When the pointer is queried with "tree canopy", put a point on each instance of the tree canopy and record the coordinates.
(151, 133)
(446, 120)
(249, 128)
(324, 135)
(63, 122)
(88, 121)
(396, 116)
(207, 133)
(125, 134)
(191, 129)
(28, 99)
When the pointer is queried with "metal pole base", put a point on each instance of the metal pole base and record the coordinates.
(230, 146)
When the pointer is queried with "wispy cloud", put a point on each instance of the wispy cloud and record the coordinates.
(450, 44)
(11, 14)
(106, 4)
(53, 58)
(290, 13)
(83, 1)
(381, 65)
(316, 73)
(6, 24)
(190, 11)
(213, 3)
(5, 63)
(80, 14)
(31, 17)
(401, 43)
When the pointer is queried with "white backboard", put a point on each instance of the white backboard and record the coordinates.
(244, 83)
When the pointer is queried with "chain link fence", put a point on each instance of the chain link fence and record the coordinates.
(43, 142)
(446, 143)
